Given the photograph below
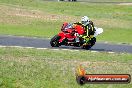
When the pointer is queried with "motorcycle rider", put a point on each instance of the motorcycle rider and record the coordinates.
(88, 26)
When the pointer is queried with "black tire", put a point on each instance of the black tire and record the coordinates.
(74, 0)
(87, 47)
(91, 43)
(55, 41)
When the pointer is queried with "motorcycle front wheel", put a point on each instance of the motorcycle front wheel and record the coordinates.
(55, 41)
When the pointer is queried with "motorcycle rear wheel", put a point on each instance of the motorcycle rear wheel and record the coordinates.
(92, 42)
(87, 47)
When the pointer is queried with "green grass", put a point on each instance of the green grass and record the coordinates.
(115, 19)
(34, 30)
(31, 68)
(107, 0)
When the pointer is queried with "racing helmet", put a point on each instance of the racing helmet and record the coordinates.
(85, 20)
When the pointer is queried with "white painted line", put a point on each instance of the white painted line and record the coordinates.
(42, 48)
(94, 51)
(76, 50)
(30, 47)
(55, 49)
(16, 46)
(106, 42)
(111, 52)
(2, 46)
(64, 49)
(47, 48)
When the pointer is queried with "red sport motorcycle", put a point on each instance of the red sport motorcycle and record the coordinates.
(69, 36)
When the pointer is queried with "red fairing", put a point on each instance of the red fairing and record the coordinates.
(65, 35)
(79, 29)
(62, 35)
(68, 31)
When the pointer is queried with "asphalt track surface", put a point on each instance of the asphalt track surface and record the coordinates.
(45, 43)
